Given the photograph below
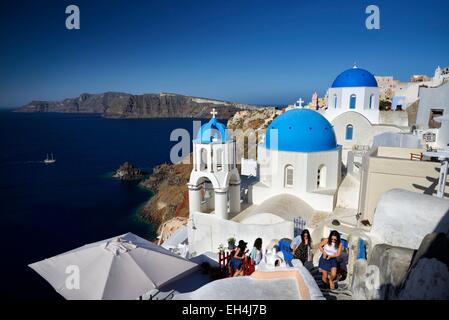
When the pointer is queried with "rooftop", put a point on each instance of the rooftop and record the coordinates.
(355, 77)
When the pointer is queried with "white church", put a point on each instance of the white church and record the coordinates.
(300, 157)
(299, 176)
(355, 90)
(300, 171)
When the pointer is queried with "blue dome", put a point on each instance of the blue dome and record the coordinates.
(212, 130)
(302, 130)
(355, 77)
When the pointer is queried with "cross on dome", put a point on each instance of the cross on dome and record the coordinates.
(300, 102)
(213, 112)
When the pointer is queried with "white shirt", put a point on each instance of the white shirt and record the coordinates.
(330, 250)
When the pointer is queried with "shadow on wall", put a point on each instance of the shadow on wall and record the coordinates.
(432, 189)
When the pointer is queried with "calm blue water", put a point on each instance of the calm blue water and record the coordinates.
(49, 209)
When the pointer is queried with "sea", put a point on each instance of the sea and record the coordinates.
(48, 209)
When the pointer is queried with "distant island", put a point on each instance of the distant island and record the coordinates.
(152, 105)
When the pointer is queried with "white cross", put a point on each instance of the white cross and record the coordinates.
(213, 112)
(300, 102)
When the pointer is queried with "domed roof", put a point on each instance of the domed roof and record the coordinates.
(355, 77)
(301, 130)
(211, 131)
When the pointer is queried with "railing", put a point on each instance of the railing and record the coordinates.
(159, 295)
(224, 259)
(416, 156)
(360, 147)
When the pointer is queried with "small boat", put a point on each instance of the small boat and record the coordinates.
(48, 160)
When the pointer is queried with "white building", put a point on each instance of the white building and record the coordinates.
(433, 102)
(353, 109)
(214, 178)
(354, 90)
(300, 157)
(407, 93)
(299, 176)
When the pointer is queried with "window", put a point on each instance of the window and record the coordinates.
(349, 132)
(352, 101)
(288, 176)
(321, 177)
(219, 159)
(371, 101)
(335, 101)
(434, 113)
(203, 159)
(245, 147)
(429, 137)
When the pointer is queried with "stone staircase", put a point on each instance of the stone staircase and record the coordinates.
(341, 291)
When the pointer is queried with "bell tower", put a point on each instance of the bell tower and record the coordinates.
(214, 184)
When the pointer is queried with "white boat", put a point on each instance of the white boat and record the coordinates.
(48, 160)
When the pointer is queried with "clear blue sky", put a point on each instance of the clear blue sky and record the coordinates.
(253, 51)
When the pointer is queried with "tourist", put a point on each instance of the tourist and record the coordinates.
(330, 248)
(279, 259)
(270, 246)
(237, 259)
(284, 247)
(303, 251)
(295, 242)
(256, 253)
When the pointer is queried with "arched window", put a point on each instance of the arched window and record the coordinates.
(207, 196)
(245, 147)
(349, 132)
(321, 177)
(219, 159)
(371, 101)
(203, 163)
(335, 101)
(352, 101)
(288, 176)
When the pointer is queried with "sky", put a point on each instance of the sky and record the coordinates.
(249, 51)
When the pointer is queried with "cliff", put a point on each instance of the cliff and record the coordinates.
(171, 199)
(250, 125)
(124, 105)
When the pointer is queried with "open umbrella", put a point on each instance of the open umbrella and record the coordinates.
(124, 267)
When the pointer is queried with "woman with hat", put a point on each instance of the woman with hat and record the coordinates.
(237, 259)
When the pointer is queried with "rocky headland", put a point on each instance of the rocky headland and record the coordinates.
(129, 106)
(129, 172)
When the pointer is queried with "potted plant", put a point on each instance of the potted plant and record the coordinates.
(231, 243)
